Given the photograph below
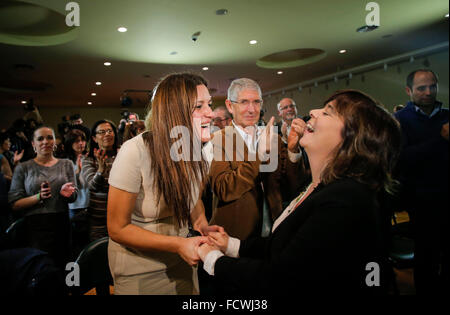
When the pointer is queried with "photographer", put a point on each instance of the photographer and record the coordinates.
(126, 118)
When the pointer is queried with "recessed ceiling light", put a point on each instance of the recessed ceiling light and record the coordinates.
(253, 42)
(205, 68)
(222, 12)
(89, 103)
(93, 94)
(122, 29)
(280, 72)
(107, 63)
(342, 51)
(98, 83)
(24, 102)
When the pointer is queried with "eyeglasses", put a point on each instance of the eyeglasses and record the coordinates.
(246, 103)
(220, 119)
(290, 106)
(103, 132)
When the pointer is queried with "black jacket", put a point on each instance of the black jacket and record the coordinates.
(322, 247)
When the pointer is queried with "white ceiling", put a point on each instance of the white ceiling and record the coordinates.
(67, 61)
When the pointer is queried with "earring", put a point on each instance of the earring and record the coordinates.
(34, 148)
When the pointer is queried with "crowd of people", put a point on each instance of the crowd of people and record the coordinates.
(196, 201)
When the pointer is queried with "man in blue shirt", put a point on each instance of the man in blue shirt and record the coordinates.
(423, 173)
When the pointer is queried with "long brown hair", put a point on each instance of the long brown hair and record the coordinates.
(371, 142)
(172, 105)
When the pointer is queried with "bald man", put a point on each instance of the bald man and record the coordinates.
(287, 110)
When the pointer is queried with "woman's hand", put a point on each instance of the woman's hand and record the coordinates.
(67, 190)
(219, 239)
(206, 229)
(188, 249)
(79, 157)
(297, 128)
(204, 250)
(18, 157)
(46, 191)
(100, 156)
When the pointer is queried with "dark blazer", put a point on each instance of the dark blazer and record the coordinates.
(322, 247)
(236, 182)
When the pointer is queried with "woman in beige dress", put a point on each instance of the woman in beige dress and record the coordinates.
(154, 194)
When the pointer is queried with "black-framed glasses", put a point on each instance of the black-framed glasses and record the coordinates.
(248, 102)
(103, 132)
(220, 119)
(290, 106)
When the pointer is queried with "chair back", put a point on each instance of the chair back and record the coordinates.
(94, 267)
(16, 234)
(401, 251)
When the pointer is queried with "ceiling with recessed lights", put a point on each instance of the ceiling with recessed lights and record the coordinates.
(56, 65)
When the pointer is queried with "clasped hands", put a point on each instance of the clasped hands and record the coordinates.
(66, 190)
(195, 249)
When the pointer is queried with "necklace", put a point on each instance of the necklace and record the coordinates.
(292, 206)
(300, 197)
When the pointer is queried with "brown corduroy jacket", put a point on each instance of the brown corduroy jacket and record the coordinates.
(240, 186)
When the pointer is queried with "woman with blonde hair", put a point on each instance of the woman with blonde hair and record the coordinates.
(153, 198)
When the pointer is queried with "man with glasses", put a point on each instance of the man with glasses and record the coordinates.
(246, 198)
(244, 192)
(221, 117)
(287, 110)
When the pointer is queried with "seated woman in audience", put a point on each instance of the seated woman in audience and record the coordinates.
(75, 150)
(153, 197)
(95, 170)
(41, 189)
(326, 239)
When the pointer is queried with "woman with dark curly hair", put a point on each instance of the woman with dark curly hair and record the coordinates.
(329, 239)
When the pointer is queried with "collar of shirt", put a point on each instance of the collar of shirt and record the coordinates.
(250, 140)
(208, 152)
(437, 108)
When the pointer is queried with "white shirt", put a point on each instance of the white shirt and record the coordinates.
(434, 112)
(212, 256)
(250, 140)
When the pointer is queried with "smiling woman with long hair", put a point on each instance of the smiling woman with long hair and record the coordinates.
(153, 198)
